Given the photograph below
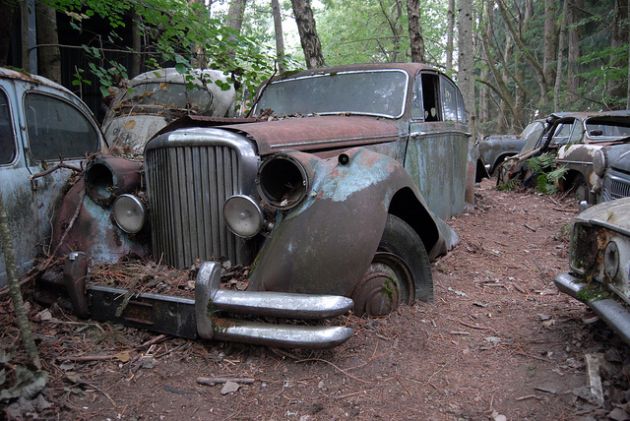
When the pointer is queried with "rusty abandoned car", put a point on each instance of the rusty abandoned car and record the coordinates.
(40, 121)
(582, 143)
(332, 195)
(151, 100)
(599, 260)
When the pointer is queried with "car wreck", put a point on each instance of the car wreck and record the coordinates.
(331, 196)
(151, 100)
(599, 263)
(581, 143)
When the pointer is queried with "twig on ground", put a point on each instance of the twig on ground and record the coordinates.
(211, 381)
(336, 367)
(529, 228)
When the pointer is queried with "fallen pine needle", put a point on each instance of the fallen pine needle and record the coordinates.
(338, 368)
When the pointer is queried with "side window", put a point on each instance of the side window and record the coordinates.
(417, 110)
(449, 100)
(430, 97)
(57, 129)
(7, 140)
(577, 133)
(561, 134)
(461, 108)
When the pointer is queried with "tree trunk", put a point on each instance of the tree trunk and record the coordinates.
(49, 58)
(136, 58)
(549, 40)
(308, 33)
(450, 30)
(574, 51)
(466, 84)
(561, 41)
(277, 26)
(415, 31)
(618, 41)
(14, 288)
(235, 15)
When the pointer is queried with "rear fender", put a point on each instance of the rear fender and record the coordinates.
(326, 244)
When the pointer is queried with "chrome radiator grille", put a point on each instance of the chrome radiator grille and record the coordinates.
(615, 187)
(187, 186)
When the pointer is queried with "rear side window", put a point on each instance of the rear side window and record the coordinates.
(7, 140)
(56, 129)
(449, 100)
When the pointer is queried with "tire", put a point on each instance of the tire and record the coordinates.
(400, 271)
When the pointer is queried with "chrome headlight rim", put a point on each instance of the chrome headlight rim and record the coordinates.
(611, 260)
(599, 162)
(134, 204)
(267, 181)
(232, 203)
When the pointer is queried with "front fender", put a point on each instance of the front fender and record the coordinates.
(326, 244)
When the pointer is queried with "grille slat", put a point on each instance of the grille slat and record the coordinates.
(187, 188)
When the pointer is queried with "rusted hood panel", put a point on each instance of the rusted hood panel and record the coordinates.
(614, 214)
(313, 133)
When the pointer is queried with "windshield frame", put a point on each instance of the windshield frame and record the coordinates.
(328, 74)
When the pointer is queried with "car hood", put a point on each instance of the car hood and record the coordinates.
(132, 132)
(618, 156)
(614, 215)
(317, 133)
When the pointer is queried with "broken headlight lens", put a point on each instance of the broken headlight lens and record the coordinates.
(129, 213)
(611, 260)
(242, 216)
(282, 181)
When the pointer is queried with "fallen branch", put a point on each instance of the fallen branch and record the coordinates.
(211, 381)
(54, 168)
(529, 228)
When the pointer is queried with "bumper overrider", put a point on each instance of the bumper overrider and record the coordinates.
(612, 311)
(213, 313)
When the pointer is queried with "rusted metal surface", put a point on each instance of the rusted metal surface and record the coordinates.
(75, 272)
(600, 263)
(29, 201)
(86, 226)
(107, 177)
(316, 133)
(329, 218)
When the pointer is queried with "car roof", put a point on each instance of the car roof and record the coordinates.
(6, 73)
(587, 114)
(410, 68)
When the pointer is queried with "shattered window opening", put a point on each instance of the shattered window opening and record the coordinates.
(7, 140)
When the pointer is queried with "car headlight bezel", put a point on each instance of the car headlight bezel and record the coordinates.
(242, 216)
(282, 181)
(129, 213)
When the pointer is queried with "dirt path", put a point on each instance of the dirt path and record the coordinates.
(498, 340)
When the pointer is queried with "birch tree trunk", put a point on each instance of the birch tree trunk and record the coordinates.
(49, 57)
(561, 42)
(450, 32)
(416, 40)
(277, 26)
(549, 40)
(466, 84)
(308, 33)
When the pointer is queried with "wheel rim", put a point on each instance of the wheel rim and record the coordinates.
(386, 284)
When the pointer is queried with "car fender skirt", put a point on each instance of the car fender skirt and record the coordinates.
(325, 244)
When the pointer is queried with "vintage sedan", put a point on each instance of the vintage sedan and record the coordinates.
(45, 130)
(580, 141)
(332, 194)
(599, 262)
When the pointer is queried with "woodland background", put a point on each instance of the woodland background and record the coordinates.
(514, 60)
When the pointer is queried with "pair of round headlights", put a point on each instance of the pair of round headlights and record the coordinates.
(282, 183)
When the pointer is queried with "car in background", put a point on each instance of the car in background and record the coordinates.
(44, 131)
(580, 142)
(494, 149)
(153, 99)
(332, 196)
(599, 261)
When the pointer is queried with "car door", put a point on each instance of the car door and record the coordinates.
(48, 126)
(437, 150)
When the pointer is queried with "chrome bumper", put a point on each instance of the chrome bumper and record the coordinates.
(615, 314)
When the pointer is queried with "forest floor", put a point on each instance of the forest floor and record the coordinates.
(498, 343)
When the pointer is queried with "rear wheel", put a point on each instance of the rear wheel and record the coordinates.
(400, 272)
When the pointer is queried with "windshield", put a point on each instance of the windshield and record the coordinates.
(169, 96)
(531, 134)
(606, 130)
(379, 93)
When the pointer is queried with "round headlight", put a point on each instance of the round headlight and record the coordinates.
(242, 216)
(129, 213)
(611, 260)
(599, 162)
(282, 181)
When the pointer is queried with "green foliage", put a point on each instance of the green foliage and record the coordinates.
(178, 33)
(547, 174)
